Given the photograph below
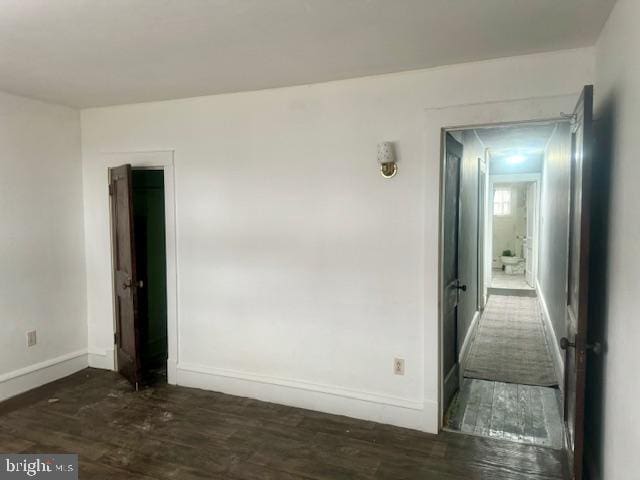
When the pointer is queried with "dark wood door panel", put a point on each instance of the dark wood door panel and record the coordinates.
(124, 274)
(450, 225)
(575, 344)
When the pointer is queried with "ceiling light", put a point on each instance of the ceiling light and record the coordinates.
(516, 159)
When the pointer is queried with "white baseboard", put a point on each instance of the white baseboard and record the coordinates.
(468, 341)
(396, 411)
(103, 359)
(552, 340)
(172, 371)
(33, 376)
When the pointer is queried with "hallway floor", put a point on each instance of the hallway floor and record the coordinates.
(510, 411)
(511, 394)
(499, 279)
(175, 432)
(510, 344)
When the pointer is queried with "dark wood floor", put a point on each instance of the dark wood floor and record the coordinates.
(170, 432)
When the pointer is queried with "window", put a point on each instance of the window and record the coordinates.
(502, 201)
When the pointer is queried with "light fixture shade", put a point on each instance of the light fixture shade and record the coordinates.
(386, 152)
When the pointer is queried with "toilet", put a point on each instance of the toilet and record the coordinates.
(513, 265)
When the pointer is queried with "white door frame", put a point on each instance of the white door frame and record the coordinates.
(533, 206)
(535, 178)
(160, 160)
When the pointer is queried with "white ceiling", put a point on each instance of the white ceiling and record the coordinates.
(101, 52)
(528, 141)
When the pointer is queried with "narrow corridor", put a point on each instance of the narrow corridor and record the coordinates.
(509, 386)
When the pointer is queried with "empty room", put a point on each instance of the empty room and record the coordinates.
(319, 239)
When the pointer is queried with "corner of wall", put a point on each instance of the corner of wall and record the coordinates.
(101, 358)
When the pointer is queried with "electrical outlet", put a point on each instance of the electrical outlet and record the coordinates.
(398, 366)
(31, 338)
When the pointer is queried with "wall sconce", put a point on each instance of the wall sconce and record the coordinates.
(387, 159)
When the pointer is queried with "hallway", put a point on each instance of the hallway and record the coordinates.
(510, 344)
(509, 389)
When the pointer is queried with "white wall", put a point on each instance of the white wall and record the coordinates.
(302, 272)
(614, 423)
(473, 149)
(42, 282)
(554, 237)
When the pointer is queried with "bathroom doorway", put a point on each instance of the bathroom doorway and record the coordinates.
(513, 233)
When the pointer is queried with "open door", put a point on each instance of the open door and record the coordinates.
(450, 279)
(124, 274)
(575, 344)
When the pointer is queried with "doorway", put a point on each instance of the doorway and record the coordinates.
(522, 361)
(563, 242)
(513, 232)
(506, 385)
(142, 291)
(151, 257)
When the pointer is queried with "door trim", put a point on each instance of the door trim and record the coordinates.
(159, 160)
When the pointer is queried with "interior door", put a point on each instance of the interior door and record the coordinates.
(529, 241)
(450, 280)
(124, 274)
(575, 345)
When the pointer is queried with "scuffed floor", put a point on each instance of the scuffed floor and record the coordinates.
(184, 434)
(519, 413)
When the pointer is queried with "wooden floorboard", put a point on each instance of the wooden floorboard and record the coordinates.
(519, 413)
(166, 432)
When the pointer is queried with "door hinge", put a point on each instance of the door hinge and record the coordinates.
(115, 338)
(111, 189)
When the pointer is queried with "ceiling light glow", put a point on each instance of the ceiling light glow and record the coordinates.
(516, 159)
